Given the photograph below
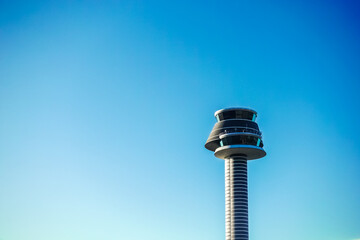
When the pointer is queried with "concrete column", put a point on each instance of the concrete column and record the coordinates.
(236, 199)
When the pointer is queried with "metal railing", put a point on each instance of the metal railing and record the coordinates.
(241, 129)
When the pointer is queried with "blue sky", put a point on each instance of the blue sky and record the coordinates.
(105, 107)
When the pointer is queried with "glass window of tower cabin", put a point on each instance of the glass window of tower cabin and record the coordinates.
(236, 114)
(217, 118)
(241, 139)
(254, 117)
(243, 114)
(229, 115)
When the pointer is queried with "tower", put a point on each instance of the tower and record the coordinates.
(236, 138)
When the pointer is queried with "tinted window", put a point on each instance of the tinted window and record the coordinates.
(236, 114)
(254, 117)
(229, 115)
(241, 140)
(244, 115)
(217, 118)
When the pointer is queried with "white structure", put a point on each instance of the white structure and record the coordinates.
(236, 138)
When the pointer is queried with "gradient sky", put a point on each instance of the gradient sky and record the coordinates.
(105, 107)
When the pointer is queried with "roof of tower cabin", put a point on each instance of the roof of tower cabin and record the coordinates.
(234, 109)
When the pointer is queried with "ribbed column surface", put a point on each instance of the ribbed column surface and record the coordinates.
(236, 199)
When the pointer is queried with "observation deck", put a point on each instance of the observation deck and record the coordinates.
(236, 134)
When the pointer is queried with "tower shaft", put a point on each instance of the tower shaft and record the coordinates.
(236, 199)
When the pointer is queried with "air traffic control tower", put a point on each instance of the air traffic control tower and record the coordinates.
(236, 138)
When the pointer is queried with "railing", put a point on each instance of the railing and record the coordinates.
(241, 129)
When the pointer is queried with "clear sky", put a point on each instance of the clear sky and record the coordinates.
(105, 107)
